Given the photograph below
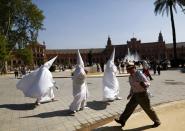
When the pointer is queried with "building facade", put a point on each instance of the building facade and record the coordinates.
(158, 50)
(151, 51)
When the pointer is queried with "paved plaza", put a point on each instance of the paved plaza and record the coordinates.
(18, 113)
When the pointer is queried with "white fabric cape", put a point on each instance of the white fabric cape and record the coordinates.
(38, 84)
(80, 90)
(110, 82)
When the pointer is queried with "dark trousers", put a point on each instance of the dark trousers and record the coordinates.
(150, 77)
(16, 74)
(143, 100)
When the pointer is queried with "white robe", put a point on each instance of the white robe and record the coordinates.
(38, 84)
(110, 82)
(80, 90)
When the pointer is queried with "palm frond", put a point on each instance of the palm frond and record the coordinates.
(163, 6)
(181, 4)
(174, 7)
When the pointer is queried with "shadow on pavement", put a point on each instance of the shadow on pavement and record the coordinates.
(183, 70)
(109, 128)
(142, 128)
(97, 105)
(53, 114)
(174, 83)
(118, 128)
(25, 106)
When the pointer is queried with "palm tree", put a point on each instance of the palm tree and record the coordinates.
(167, 6)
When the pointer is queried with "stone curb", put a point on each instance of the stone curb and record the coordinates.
(101, 122)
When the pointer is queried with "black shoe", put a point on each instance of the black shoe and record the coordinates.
(120, 122)
(156, 124)
(37, 103)
(72, 112)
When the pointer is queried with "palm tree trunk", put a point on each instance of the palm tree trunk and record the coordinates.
(173, 33)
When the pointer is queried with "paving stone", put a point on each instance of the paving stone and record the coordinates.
(17, 112)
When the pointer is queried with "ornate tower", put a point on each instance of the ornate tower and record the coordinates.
(160, 37)
(109, 43)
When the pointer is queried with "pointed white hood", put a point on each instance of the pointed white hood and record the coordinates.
(112, 56)
(79, 60)
(110, 82)
(49, 63)
(110, 66)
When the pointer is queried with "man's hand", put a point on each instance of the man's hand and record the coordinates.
(56, 87)
(143, 85)
(86, 71)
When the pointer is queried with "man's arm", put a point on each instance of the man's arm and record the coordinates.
(130, 94)
(55, 85)
(143, 80)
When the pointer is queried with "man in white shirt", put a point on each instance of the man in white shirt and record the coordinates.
(138, 95)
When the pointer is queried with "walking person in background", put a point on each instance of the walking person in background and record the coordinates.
(16, 72)
(146, 70)
(122, 66)
(138, 95)
(98, 67)
(154, 66)
(158, 69)
(102, 66)
(118, 65)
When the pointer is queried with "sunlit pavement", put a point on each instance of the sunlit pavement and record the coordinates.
(171, 115)
(19, 113)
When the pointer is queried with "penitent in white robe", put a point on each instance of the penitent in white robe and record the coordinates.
(110, 82)
(80, 90)
(38, 84)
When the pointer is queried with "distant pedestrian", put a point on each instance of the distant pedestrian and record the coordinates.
(98, 67)
(118, 65)
(146, 70)
(16, 72)
(154, 66)
(138, 95)
(60, 68)
(102, 66)
(158, 69)
(122, 66)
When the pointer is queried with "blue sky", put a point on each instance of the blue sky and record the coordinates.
(87, 23)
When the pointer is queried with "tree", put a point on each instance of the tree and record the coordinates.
(4, 55)
(167, 6)
(26, 55)
(20, 21)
